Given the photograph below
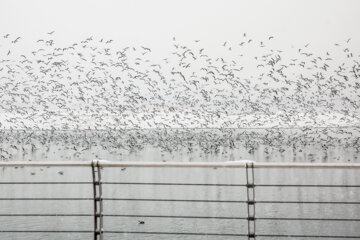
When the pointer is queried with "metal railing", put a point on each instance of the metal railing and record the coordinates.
(252, 217)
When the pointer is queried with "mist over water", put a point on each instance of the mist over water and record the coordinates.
(97, 99)
(179, 81)
(189, 145)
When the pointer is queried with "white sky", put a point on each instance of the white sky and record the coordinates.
(155, 22)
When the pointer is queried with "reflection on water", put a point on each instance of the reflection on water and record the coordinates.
(272, 145)
(115, 207)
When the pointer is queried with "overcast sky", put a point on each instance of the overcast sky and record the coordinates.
(155, 22)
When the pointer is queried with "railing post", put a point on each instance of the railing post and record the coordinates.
(250, 197)
(98, 201)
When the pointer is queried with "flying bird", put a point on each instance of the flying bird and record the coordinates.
(16, 40)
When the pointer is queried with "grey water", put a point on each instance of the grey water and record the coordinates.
(184, 145)
(180, 225)
(177, 146)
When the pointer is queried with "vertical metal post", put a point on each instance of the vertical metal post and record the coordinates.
(250, 190)
(98, 201)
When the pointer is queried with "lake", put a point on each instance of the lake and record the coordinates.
(223, 211)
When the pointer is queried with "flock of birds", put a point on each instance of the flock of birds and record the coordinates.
(302, 144)
(240, 94)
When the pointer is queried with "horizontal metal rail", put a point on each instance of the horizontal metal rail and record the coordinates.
(230, 185)
(188, 184)
(181, 233)
(46, 215)
(226, 201)
(234, 218)
(46, 199)
(306, 236)
(45, 183)
(178, 216)
(234, 164)
(176, 184)
(230, 164)
(46, 231)
(178, 200)
(235, 235)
